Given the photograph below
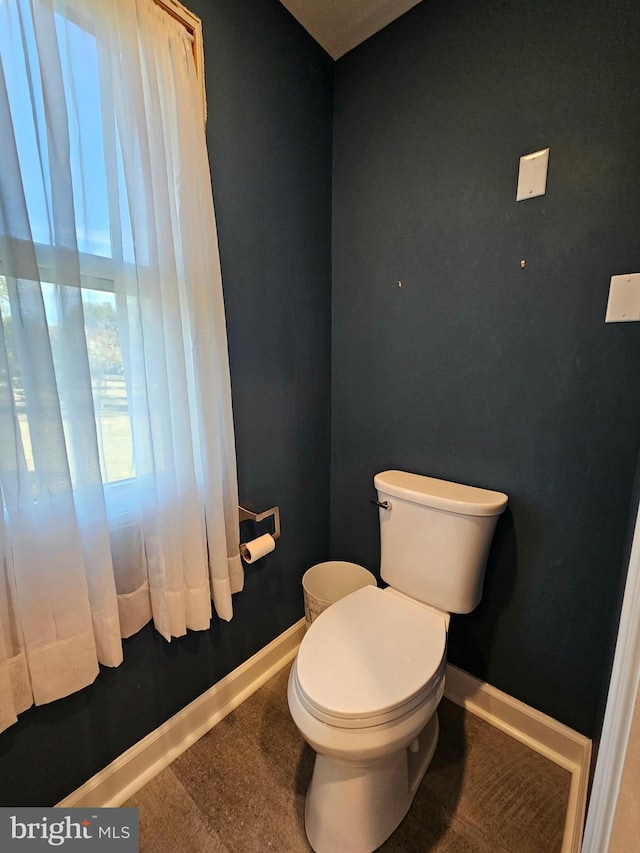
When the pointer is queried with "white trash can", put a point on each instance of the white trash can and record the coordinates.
(325, 583)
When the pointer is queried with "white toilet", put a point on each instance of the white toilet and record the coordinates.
(370, 671)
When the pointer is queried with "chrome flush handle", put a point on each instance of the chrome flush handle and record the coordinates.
(381, 504)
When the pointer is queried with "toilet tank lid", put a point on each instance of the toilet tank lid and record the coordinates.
(440, 494)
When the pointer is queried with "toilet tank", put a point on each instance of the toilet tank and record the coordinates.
(435, 537)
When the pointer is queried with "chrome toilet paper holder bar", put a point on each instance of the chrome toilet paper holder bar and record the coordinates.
(247, 515)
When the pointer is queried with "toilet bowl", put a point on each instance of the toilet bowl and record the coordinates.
(369, 674)
(367, 707)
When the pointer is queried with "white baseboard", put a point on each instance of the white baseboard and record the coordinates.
(145, 759)
(113, 785)
(541, 733)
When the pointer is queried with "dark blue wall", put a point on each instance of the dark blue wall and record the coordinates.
(476, 370)
(269, 89)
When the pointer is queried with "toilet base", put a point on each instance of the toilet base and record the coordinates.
(355, 807)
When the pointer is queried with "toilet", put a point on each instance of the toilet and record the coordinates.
(366, 683)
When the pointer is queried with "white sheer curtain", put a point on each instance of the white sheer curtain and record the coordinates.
(117, 461)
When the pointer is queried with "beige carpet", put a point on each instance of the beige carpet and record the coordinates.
(241, 789)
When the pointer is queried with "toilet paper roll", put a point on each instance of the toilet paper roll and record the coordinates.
(258, 548)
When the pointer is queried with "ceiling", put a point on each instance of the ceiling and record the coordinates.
(339, 25)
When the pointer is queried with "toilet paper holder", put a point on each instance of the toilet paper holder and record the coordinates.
(248, 515)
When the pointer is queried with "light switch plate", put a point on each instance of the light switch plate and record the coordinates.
(532, 175)
(624, 298)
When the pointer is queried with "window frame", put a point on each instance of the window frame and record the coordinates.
(193, 25)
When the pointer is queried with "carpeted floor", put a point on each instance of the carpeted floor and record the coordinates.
(241, 789)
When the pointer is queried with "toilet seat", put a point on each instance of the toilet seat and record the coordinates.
(370, 658)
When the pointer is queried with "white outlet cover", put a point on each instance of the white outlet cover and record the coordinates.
(532, 175)
(624, 298)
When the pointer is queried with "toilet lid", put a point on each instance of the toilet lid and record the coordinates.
(370, 653)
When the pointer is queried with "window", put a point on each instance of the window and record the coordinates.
(105, 248)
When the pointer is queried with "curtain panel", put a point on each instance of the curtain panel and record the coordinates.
(117, 458)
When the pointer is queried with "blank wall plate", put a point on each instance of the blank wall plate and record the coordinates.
(532, 175)
(624, 298)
